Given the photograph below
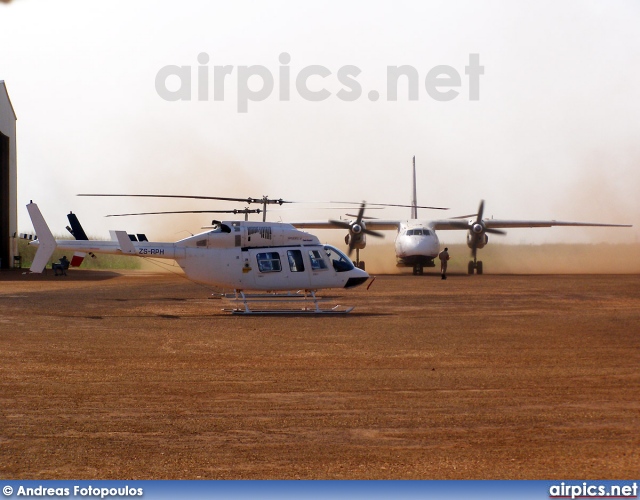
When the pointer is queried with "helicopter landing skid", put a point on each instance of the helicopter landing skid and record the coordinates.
(243, 304)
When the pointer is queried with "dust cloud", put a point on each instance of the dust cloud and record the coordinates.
(187, 166)
(602, 258)
(601, 193)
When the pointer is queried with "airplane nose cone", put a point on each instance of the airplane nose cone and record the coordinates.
(428, 246)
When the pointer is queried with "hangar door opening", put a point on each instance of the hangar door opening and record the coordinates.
(5, 236)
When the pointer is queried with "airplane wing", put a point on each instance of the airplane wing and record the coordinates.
(391, 225)
(447, 224)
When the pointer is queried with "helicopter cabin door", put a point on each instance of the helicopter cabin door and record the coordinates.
(279, 268)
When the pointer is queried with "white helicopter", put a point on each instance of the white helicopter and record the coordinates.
(417, 244)
(241, 255)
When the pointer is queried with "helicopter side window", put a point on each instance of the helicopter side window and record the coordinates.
(340, 261)
(296, 263)
(269, 262)
(317, 262)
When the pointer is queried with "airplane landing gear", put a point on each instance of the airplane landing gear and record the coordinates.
(359, 263)
(475, 265)
(418, 270)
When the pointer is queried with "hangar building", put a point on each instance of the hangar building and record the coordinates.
(8, 180)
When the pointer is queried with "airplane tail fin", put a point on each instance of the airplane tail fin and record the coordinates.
(45, 238)
(414, 199)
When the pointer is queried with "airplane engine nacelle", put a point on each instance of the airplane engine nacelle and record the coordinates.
(359, 240)
(477, 240)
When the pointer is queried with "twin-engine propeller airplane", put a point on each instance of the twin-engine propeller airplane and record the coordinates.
(417, 244)
(238, 255)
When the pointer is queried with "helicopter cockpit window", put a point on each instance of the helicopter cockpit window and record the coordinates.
(224, 228)
(317, 262)
(340, 261)
(269, 262)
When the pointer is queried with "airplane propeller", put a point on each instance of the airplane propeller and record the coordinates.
(478, 228)
(356, 229)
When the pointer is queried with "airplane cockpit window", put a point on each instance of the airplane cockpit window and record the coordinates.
(317, 262)
(340, 261)
(269, 262)
(418, 232)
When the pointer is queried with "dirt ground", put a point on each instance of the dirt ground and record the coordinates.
(140, 375)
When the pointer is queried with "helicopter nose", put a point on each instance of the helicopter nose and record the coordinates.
(357, 277)
(351, 282)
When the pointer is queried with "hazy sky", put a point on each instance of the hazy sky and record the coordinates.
(554, 133)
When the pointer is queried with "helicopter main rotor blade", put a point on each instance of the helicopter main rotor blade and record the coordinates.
(257, 211)
(389, 205)
(222, 198)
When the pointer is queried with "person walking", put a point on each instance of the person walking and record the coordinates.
(444, 257)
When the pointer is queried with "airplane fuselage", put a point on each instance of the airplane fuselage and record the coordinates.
(416, 245)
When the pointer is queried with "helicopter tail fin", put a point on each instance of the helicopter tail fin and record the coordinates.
(75, 228)
(47, 243)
